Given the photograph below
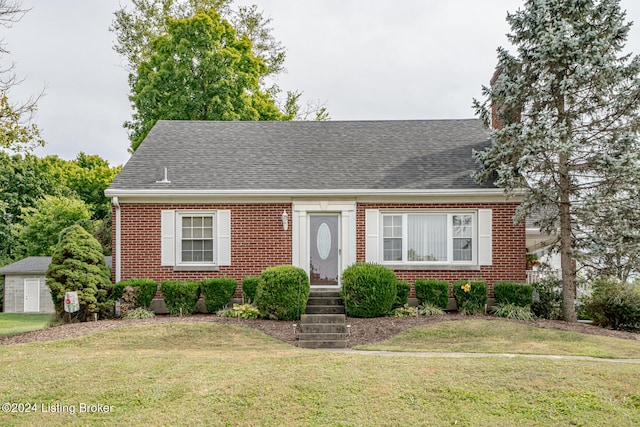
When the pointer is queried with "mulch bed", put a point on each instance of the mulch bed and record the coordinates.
(361, 331)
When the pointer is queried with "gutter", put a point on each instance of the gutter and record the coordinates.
(118, 255)
(153, 193)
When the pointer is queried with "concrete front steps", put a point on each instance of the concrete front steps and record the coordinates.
(324, 324)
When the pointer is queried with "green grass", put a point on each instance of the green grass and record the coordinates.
(17, 323)
(495, 336)
(214, 374)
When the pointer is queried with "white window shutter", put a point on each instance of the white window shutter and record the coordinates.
(223, 218)
(167, 238)
(485, 240)
(372, 231)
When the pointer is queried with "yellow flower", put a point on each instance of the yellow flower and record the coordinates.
(466, 288)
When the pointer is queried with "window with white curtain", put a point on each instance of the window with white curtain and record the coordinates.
(428, 237)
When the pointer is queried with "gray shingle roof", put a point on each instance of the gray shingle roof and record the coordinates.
(35, 265)
(332, 155)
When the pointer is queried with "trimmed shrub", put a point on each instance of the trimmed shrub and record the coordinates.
(180, 297)
(402, 294)
(283, 292)
(471, 296)
(368, 290)
(249, 287)
(519, 294)
(145, 290)
(547, 299)
(614, 304)
(118, 290)
(217, 292)
(433, 291)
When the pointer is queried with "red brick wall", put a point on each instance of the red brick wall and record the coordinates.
(257, 241)
(509, 245)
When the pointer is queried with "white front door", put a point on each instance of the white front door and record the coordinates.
(324, 249)
(31, 295)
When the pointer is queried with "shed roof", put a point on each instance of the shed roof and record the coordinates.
(35, 265)
(331, 155)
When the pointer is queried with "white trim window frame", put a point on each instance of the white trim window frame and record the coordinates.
(437, 238)
(196, 238)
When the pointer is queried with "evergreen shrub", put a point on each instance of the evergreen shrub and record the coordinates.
(282, 292)
(145, 290)
(77, 265)
(433, 292)
(614, 304)
(368, 290)
(519, 294)
(249, 287)
(180, 297)
(217, 292)
(547, 299)
(402, 294)
(471, 296)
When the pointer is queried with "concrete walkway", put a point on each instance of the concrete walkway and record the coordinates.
(475, 355)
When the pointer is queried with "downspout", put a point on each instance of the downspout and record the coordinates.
(116, 204)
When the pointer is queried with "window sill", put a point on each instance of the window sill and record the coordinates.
(196, 268)
(441, 267)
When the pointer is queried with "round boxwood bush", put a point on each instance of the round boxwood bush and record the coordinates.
(180, 297)
(249, 287)
(217, 292)
(283, 292)
(368, 290)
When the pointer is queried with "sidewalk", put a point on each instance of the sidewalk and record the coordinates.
(475, 355)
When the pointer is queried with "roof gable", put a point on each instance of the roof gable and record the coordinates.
(332, 155)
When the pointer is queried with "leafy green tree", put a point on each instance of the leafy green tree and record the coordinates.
(17, 130)
(136, 28)
(88, 176)
(199, 70)
(43, 223)
(568, 103)
(78, 265)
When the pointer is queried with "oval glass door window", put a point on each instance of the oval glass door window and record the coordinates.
(323, 240)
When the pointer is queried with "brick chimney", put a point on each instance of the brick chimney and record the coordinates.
(495, 122)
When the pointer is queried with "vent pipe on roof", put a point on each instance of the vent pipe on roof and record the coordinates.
(165, 179)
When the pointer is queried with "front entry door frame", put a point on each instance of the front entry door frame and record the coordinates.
(324, 249)
(346, 211)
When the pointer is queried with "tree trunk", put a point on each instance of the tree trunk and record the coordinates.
(566, 244)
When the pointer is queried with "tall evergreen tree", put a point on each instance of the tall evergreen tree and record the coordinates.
(568, 102)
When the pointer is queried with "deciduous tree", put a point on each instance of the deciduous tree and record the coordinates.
(199, 70)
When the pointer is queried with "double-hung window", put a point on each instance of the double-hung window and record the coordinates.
(429, 238)
(196, 238)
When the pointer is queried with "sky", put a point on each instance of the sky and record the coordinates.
(362, 59)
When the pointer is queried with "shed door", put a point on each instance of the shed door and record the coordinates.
(31, 295)
(324, 262)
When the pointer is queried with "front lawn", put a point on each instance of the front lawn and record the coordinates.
(220, 374)
(494, 336)
(17, 323)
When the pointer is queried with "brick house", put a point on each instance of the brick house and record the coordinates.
(212, 199)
